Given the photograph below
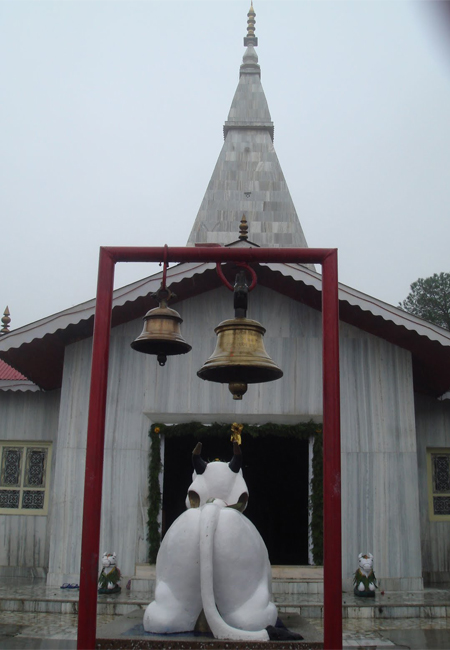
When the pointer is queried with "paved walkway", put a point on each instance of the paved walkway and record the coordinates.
(429, 627)
(59, 631)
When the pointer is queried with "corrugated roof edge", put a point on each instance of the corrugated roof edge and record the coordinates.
(298, 273)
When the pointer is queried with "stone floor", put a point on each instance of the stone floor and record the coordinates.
(48, 631)
(51, 620)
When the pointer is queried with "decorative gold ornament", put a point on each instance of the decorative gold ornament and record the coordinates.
(251, 39)
(243, 229)
(236, 430)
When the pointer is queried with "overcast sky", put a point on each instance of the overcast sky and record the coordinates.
(111, 119)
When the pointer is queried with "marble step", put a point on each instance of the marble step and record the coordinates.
(36, 596)
(309, 606)
(279, 572)
(285, 579)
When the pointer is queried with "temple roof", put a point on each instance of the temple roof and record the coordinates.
(248, 178)
(37, 349)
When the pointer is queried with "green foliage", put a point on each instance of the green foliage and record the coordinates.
(316, 500)
(429, 298)
(303, 431)
(154, 507)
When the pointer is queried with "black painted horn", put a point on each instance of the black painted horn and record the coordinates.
(197, 461)
(235, 463)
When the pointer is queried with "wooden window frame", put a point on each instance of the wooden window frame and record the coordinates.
(22, 487)
(433, 451)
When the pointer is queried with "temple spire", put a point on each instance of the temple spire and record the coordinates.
(251, 39)
(248, 178)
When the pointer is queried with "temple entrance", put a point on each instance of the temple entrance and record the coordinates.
(275, 469)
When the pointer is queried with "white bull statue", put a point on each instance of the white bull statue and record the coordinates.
(213, 559)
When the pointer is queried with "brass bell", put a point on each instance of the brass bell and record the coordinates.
(161, 334)
(240, 357)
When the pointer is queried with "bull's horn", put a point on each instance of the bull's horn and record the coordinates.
(235, 463)
(197, 461)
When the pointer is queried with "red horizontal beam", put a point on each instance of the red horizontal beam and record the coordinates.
(217, 254)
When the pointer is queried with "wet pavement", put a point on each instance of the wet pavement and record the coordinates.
(59, 631)
(33, 615)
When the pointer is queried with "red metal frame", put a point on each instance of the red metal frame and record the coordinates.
(109, 256)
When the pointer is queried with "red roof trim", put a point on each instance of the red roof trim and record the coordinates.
(8, 373)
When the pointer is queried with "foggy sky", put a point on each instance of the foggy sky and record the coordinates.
(111, 118)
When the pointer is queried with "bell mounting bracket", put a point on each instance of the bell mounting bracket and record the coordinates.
(240, 287)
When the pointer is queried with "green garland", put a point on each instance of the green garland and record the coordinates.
(303, 431)
(154, 468)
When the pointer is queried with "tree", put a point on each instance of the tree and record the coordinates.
(429, 298)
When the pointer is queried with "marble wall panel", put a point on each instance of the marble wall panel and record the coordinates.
(125, 483)
(380, 514)
(27, 417)
(124, 506)
(377, 403)
(23, 541)
(433, 430)
(65, 536)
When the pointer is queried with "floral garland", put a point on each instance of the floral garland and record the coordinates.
(302, 430)
(359, 577)
(105, 578)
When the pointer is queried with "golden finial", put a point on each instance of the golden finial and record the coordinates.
(6, 321)
(243, 229)
(251, 39)
(236, 430)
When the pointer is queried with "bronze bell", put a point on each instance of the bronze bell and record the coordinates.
(240, 357)
(161, 334)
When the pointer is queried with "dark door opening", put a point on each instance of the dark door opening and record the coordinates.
(275, 469)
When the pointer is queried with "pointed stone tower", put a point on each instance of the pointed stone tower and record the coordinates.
(248, 178)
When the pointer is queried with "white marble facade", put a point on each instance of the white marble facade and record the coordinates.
(379, 479)
(24, 539)
(433, 431)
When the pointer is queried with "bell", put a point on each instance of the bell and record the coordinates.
(240, 357)
(161, 334)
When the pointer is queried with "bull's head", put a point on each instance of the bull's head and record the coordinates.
(217, 480)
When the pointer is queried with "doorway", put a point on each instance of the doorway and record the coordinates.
(275, 469)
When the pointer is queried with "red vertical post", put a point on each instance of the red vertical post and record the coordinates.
(332, 541)
(87, 608)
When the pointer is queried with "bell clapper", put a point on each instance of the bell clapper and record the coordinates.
(237, 389)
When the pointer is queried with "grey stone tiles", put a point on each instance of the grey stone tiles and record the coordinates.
(248, 178)
(356, 633)
(381, 623)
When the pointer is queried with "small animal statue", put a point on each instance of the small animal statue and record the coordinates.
(214, 564)
(109, 578)
(364, 580)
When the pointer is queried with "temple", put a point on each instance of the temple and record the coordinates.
(395, 415)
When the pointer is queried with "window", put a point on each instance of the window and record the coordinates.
(24, 478)
(438, 465)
